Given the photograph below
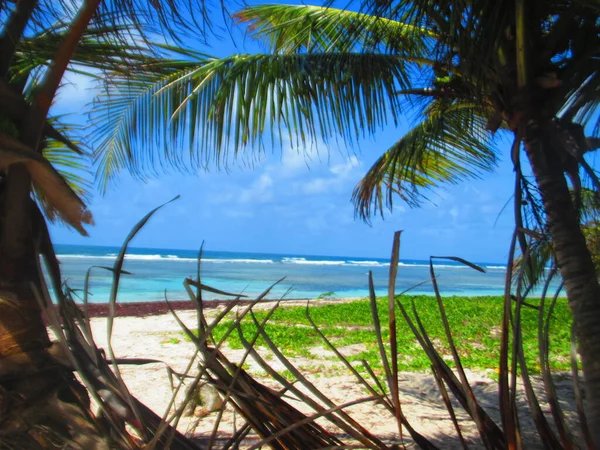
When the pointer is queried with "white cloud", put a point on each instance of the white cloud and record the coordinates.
(260, 191)
(344, 169)
(318, 186)
(341, 174)
(297, 160)
(286, 183)
(293, 160)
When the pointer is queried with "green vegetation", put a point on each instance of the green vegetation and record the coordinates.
(591, 230)
(475, 324)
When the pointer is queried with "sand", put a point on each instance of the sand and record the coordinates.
(160, 337)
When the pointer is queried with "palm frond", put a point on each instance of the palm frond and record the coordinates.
(243, 101)
(435, 151)
(52, 186)
(98, 54)
(467, 32)
(540, 257)
(296, 28)
(540, 254)
(73, 168)
(583, 100)
(590, 206)
(143, 20)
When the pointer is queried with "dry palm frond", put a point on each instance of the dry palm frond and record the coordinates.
(118, 407)
(55, 189)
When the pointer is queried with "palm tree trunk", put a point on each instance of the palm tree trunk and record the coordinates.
(41, 403)
(572, 256)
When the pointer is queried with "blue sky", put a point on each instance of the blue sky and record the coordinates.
(295, 201)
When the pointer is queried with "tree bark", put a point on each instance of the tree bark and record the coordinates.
(572, 256)
(41, 403)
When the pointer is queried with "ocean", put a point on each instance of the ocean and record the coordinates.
(156, 271)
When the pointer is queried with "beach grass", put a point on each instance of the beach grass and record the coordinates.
(474, 321)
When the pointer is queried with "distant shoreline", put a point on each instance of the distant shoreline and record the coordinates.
(156, 308)
(143, 309)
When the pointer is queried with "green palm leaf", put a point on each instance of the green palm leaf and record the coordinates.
(98, 53)
(124, 113)
(541, 254)
(244, 101)
(133, 20)
(297, 28)
(435, 151)
(73, 168)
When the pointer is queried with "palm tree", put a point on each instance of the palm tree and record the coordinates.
(43, 170)
(472, 70)
(540, 257)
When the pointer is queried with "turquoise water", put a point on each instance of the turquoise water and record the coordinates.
(306, 276)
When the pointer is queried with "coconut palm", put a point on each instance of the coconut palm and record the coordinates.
(470, 70)
(43, 170)
(540, 257)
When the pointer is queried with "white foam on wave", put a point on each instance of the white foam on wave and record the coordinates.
(145, 257)
(285, 260)
(329, 262)
(369, 263)
(128, 256)
(315, 263)
(292, 260)
(435, 266)
(86, 257)
(157, 257)
(242, 261)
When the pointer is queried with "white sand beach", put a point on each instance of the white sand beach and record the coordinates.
(160, 337)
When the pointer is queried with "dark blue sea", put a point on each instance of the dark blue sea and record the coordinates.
(156, 271)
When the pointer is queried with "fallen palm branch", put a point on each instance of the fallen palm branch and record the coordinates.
(117, 408)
